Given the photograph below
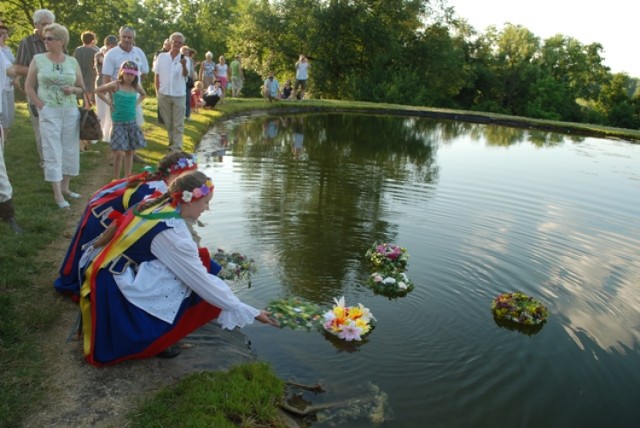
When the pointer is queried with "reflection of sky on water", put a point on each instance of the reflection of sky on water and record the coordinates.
(581, 280)
(578, 239)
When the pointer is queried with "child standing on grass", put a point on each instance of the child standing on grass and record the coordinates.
(126, 134)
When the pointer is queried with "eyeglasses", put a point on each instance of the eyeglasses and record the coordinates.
(50, 39)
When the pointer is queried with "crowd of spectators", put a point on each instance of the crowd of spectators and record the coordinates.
(55, 81)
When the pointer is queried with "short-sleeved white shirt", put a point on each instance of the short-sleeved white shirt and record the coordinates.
(169, 71)
(114, 58)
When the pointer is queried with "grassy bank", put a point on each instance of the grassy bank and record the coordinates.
(28, 304)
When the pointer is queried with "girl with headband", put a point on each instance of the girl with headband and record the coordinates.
(125, 94)
(145, 286)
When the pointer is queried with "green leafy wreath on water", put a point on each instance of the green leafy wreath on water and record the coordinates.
(296, 313)
(520, 309)
(235, 266)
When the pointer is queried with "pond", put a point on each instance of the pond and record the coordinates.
(482, 210)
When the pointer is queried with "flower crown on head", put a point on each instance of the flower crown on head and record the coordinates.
(183, 165)
(187, 196)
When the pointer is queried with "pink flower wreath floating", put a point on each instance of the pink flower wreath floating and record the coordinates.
(387, 258)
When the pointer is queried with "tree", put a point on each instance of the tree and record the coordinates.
(615, 103)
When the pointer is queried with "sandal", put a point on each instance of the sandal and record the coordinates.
(73, 195)
(171, 352)
(63, 204)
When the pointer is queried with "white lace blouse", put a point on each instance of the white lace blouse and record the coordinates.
(160, 285)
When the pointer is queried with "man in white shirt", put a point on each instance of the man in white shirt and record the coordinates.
(171, 73)
(6, 205)
(113, 59)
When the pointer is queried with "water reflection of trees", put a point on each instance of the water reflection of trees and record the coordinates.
(501, 136)
(328, 205)
(335, 203)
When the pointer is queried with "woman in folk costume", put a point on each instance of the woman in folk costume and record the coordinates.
(117, 196)
(146, 287)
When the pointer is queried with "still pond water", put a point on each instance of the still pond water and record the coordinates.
(482, 210)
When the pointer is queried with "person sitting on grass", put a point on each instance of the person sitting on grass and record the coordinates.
(271, 88)
(145, 287)
(213, 95)
(287, 89)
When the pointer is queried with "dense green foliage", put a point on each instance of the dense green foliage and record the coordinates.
(411, 52)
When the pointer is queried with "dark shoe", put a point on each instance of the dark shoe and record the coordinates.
(14, 226)
(171, 352)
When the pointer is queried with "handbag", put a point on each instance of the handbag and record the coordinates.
(90, 128)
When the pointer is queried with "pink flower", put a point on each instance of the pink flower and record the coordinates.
(350, 332)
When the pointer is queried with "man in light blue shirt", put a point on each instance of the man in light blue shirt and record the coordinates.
(271, 88)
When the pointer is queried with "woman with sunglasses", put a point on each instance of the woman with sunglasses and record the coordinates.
(54, 82)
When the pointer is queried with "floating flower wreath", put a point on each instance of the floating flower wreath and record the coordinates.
(296, 313)
(519, 308)
(348, 322)
(235, 266)
(389, 258)
(390, 285)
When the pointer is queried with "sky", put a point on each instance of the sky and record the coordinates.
(612, 23)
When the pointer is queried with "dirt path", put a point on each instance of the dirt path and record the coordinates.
(80, 395)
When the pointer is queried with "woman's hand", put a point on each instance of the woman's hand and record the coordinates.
(70, 90)
(265, 318)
